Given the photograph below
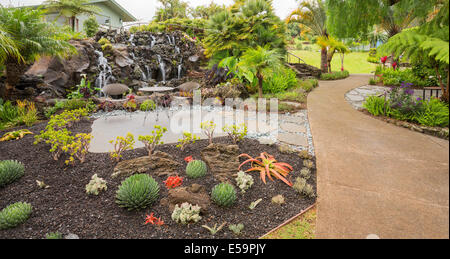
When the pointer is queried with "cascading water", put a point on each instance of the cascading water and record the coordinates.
(149, 72)
(180, 68)
(152, 44)
(131, 40)
(162, 66)
(105, 74)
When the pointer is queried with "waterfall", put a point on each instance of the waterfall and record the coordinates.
(177, 50)
(153, 42)
(105, 74)
(162, 66)
(131, 40)
(149, 72)
(170, 41)
(180, 68)
(173, 40)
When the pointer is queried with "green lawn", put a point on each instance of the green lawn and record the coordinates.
(355, 62)
(302, 228)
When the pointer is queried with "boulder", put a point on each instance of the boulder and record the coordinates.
(188, 87)
(223, 160)
(195, 195)
(115, 89)
(159, 164)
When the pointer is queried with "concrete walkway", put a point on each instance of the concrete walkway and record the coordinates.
(374, 177)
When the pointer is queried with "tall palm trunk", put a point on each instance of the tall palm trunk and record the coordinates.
(324, 60)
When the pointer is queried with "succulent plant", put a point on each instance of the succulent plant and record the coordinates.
(305, 173)
(196, 169)
(236, 229)
(10, 171)
(55, 235)
(14, 215)
(137, 192)
(244, 181)
(96, 185)
(309, 164)
(303, 188)
(279, 199)
(186, 213)
(148, 105)
(224, 194)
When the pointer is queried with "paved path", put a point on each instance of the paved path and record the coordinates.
(374, 177)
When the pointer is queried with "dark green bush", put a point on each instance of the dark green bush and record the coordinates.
(14, 215)
(137, 192)
(335, 75)
(377, 106)
(10, 171)
(433, 113)
(280, 81)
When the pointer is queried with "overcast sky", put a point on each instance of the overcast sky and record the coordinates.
(144, 10)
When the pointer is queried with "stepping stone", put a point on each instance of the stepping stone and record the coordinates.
(293, 128)
(292, 119)
(293, 139)
(156, 89)
(355, 98)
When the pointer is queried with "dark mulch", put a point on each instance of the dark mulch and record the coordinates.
(66, 208)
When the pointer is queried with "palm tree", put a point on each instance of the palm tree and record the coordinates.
(71, 9)
(30, 37)
(312, 14)
(333, 46)
(7, 46)
(259, 62)
(171, 9)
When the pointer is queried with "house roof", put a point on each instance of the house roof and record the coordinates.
(126, 16)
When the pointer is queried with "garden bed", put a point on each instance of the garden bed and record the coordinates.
(66, 208)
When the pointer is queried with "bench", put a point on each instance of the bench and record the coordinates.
(431, 89)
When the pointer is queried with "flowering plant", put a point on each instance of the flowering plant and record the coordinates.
(151, 219)
(402, 100)
(173, 182)
(189, 159)
(384, 59)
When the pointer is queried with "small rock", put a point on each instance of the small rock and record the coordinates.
(279, 199)
(72, 236)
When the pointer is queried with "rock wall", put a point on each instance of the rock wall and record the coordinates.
(139, 60)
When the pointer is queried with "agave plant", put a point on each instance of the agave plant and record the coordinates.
(268, 166)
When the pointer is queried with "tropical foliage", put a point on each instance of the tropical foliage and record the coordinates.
(71, 9)
(31, 37)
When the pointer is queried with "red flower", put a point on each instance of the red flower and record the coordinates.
(189, 159)
(384, 59)
(173, 182)
(151, 219)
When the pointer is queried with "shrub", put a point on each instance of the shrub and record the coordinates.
(78, 148)
(224, 195)
(235, 132)
(308, 164)
(27, 113)
(377, 106)
(335, 75)
(10, 171)
(121, 144)
(14, 215)
(244, 181)
(280, 81)
(148, 105)
(137, 192)
(151, 141)
(8, 112)
(91, 26)
(96, 185)
(433, 113)
(308, 85)
(208, 129)
(196, 169)
(186, 140)
(186, 213)
(372, 81)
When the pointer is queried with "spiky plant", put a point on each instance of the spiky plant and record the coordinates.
(137, 192)
(224, 195)
(196, 169)
(10, 171)
(14, 215)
